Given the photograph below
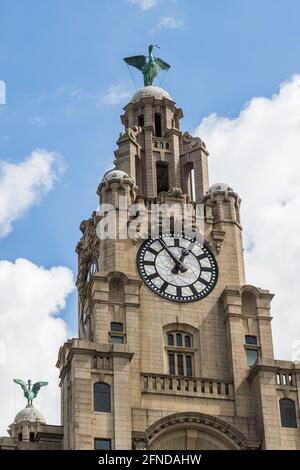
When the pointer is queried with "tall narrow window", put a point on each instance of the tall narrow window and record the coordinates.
(171, 363)
(102, 444)
(162, 177)
(141, 121)
(251, 356)
(158, 132)
(179, 339)
(288, 413)
(171, 339)
(189, 175)
(180, 364)
(189, 368)
(102, 397)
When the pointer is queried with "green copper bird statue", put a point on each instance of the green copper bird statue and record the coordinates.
(150, 66)
(30, 393)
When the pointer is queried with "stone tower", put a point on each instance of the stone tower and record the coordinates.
(164, 363)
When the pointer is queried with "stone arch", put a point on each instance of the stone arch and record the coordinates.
(249, 295)
(193, 431)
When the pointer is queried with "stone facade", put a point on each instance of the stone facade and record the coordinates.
(224, 403)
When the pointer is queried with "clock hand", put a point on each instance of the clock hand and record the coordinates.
(184, 253)
(181, 266)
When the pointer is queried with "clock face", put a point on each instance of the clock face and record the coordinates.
(177, 268)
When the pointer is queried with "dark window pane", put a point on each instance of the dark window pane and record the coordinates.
(251, 356)
(31, 436)
(188, 343)
(102, 444)
(158, 124)
(179, 339)
(115, 326)
(171, 364)
(20, 436)
(189, 368)
(170, 340)
(288, 413)
(162, 177)
(141, 120)
(250, 339)
(117, 339)
(102, 397)
(180, 364)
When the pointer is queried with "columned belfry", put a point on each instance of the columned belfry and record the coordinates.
(174, 349)
(155, 153)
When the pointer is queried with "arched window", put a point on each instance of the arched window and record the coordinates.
(102, 397)
(180, 353)
(288, 413)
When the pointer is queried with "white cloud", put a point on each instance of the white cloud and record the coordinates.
(115, 94)
(168, 22)
(23, 184)
(37, 121)
(2, 92)
(145, 4)
(258, 154)
(31, 334)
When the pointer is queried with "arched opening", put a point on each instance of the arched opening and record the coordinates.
(116, 290)
(158, 127)
(190, 431)
(162, 177)
(248, 303)
(141, 121)
(102, 400)
(189, 176)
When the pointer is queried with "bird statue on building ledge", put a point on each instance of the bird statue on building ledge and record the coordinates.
(150, 66)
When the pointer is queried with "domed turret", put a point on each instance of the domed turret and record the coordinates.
(30, 413)
(219, 187)
(151, 92)
(112, 175)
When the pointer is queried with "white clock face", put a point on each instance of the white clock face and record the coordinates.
(177, 268)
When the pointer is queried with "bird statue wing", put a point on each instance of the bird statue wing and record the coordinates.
(23, 384)
(36, 387)
(161, 64)
(137, 61)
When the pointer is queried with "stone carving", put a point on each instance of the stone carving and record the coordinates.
(87, 249)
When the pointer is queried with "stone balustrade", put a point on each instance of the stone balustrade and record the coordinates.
(186, 386)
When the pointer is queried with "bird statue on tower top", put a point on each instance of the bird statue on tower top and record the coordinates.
(150, 66)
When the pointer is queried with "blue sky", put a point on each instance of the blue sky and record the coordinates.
(60, 57)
